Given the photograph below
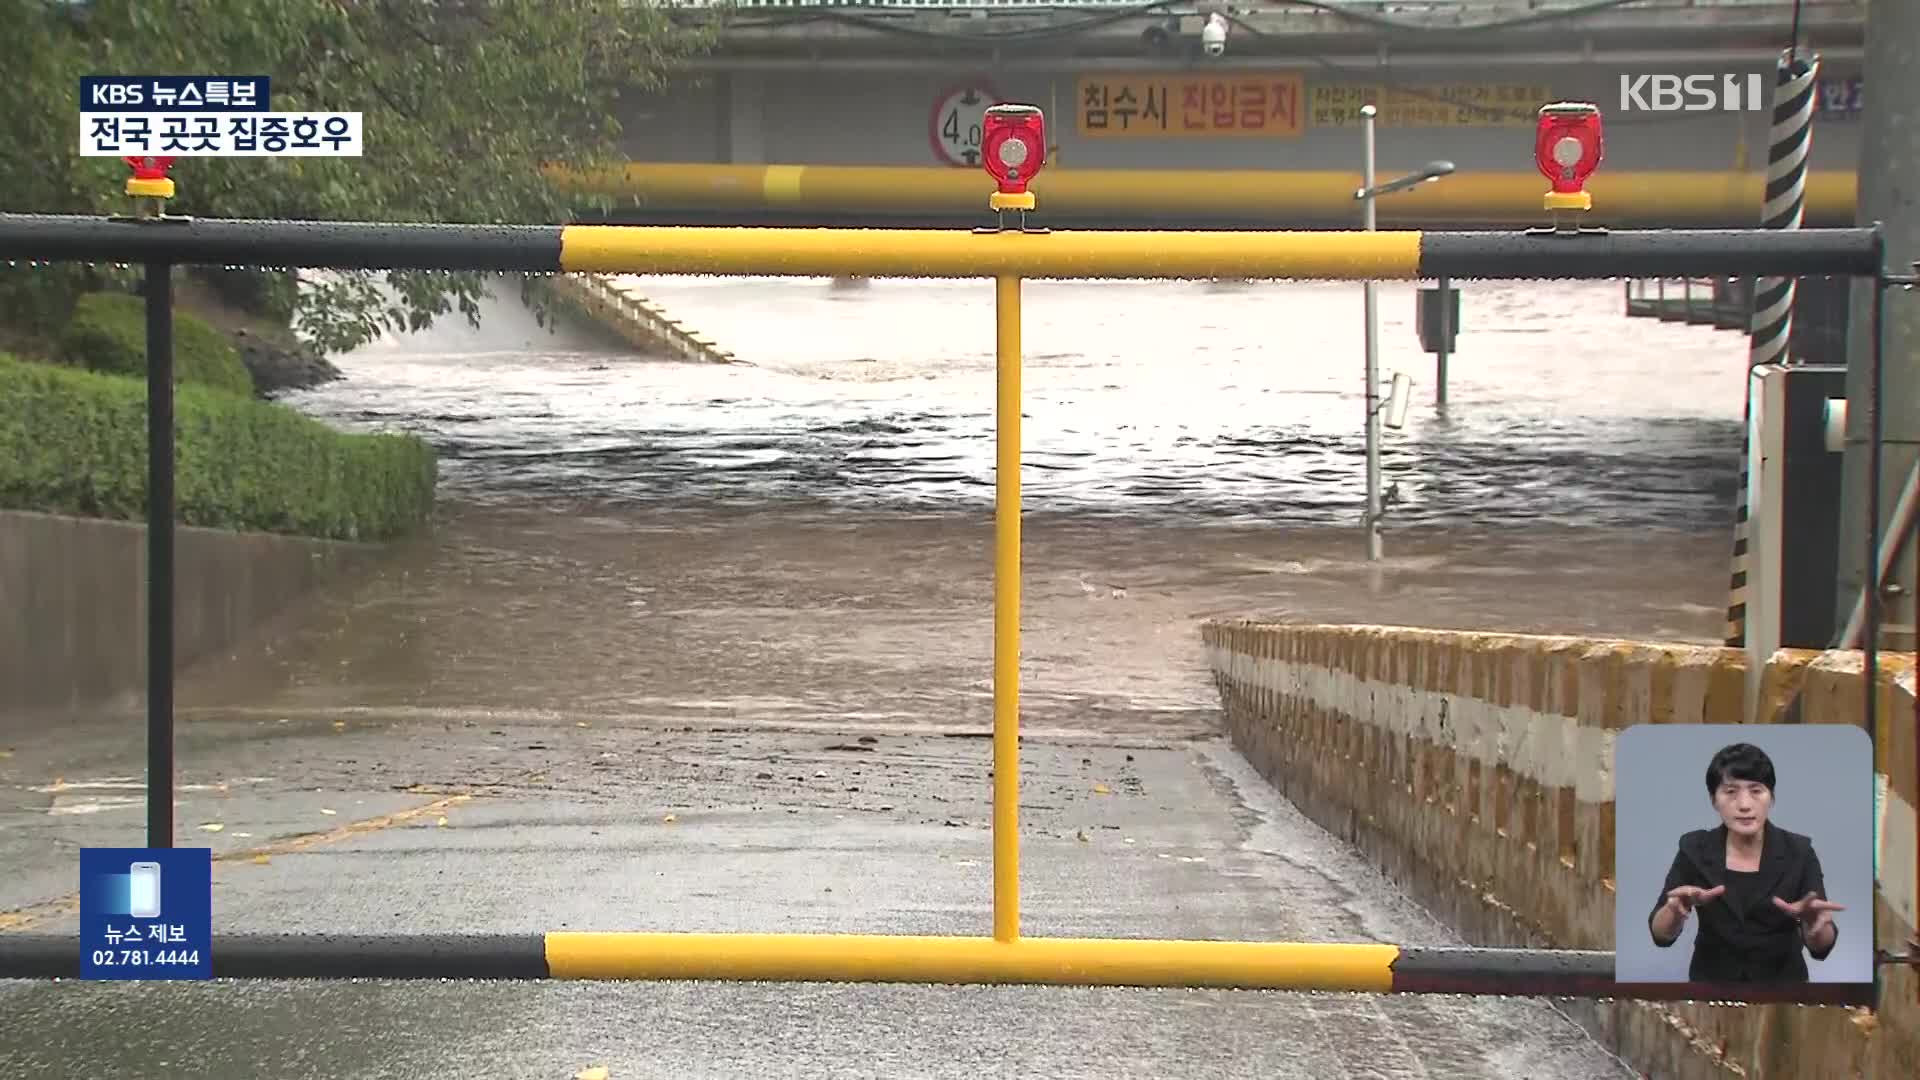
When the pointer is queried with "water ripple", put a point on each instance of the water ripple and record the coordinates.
(1562, 410)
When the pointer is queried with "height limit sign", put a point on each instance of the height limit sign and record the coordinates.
(955, 126)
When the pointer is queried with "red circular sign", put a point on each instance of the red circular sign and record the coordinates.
(954, 128)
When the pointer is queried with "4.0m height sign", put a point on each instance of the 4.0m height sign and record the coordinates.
(955, 126)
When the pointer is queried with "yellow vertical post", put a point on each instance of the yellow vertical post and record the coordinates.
(1006, 613)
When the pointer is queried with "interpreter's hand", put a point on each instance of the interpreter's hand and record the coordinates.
(1684, 899)
(1812, 912)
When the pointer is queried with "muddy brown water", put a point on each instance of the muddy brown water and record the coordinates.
(809, 534)
(782, 615)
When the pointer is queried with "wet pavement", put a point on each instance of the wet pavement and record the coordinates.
(737, 828)
(593, 698)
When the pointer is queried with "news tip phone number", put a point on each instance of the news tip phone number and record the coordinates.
(145, 957)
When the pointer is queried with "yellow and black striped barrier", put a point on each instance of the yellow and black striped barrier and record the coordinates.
(1008, 256)
(853, 958)
(948, 253)
(1228, 198)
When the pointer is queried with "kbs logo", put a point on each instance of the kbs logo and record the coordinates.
(115, 94)
(173, 93)
(1693, 93)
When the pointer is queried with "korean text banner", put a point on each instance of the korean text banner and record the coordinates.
(1166, 106)
(221, 135)
(1429, 105)
(174, 93)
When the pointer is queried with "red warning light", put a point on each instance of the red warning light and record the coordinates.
(149, 168)
(1568, 144)
(1014, 146)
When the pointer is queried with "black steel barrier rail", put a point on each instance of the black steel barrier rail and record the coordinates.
(1322, 255)
(1028, 961)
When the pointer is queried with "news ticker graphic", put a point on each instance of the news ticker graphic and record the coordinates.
(146, 913)
(306, 134)
(204, 116)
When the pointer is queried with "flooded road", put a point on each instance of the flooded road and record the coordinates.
(810, 534)
(694, 648)
(1143, 399)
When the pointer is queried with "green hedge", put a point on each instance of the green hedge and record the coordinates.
(75, 442)
(109, 333)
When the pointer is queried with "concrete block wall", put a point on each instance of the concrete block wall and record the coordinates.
(73, 602)
(1477, 770)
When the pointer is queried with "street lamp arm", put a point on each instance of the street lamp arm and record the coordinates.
(1433, 170)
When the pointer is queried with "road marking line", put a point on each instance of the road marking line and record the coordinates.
(35, 914)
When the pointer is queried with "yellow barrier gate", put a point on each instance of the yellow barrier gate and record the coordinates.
(1007, 254)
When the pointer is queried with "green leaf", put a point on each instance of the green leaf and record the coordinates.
(463, 104)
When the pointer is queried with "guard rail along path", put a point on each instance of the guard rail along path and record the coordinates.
(1008, 255)
(636, 320)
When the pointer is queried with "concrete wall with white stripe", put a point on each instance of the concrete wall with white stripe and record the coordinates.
(821, 117)
(1477, 770)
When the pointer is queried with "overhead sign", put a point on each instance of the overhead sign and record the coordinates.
(1430, 105)
(956, 122)
(1166, 106)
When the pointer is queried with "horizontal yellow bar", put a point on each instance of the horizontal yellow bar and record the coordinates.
(620, 249)
(1496, 197)
(970, 960)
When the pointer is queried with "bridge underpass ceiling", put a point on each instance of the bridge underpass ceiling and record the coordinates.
(909, 33)
(1287, 116)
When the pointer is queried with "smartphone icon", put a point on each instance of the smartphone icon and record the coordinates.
(144, 893)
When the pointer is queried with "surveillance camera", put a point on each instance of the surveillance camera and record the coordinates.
(1213, 36)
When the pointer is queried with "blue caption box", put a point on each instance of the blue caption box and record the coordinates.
(174, 93)
(146, 913)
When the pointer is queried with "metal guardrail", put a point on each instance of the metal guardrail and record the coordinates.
(1721, 302)
(1330, 255)
(637, 320)
(1212, 199)
(875, 958)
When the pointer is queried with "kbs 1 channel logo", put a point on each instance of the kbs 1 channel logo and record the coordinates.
(1693, 93)
(204, 116)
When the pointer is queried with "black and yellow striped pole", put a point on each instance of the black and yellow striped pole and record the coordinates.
(857, 958)
(1789, 142)
(946, 253)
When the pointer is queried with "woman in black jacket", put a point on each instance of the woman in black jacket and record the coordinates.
(1737, 878)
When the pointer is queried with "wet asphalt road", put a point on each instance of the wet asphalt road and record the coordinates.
(489, 732)
(468, 827)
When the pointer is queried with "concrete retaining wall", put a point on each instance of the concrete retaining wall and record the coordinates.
(74, 596)
(1476, 769)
